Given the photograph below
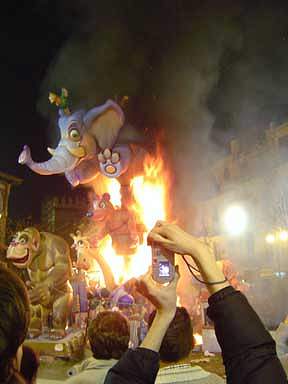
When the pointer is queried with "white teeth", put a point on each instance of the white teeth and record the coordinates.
(51, 151)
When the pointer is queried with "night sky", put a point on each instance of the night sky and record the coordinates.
(200, 71)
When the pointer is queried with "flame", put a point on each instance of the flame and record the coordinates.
(102, 184)
(150, 194)
(198, 339)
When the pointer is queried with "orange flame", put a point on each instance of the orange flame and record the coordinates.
(102, 184)
(198, 339)
(150, 194)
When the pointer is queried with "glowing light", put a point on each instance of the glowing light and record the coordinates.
(235, 220)
(270, 238)
(149, 191)
(283, 235)
(112, 186)
(198, 339)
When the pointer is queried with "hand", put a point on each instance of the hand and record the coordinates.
(163, 297)
(173, 238)
(40, 295)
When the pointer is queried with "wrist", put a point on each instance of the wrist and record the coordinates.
(199, 251)
(166, 314)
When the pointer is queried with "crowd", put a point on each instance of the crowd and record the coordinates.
(248, 350)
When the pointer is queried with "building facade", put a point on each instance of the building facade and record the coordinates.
(61, 215)
(257, 180)
(6, 182)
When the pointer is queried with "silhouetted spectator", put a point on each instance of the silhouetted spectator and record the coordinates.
(176, 345)
(14, 321)
(29, 365)
(108, 336)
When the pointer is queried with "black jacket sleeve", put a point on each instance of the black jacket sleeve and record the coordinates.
(139, 366)
(248, 350)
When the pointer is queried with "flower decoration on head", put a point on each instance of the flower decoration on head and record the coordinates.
(60, 101)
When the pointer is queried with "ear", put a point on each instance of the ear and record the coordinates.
(106, 197)
(35, 245)
(104, 123)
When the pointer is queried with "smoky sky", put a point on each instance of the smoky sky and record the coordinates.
(201, 72)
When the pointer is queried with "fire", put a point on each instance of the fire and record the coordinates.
(103, 184)
(198, 339)
(150, 194)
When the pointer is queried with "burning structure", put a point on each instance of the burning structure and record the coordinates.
(99, 149)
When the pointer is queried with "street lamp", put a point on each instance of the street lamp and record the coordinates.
(270, 238)
(235, 220)
(283, 235)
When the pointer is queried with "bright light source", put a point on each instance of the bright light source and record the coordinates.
(270, 238)
(283, 235)
(235, 220)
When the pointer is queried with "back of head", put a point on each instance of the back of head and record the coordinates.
(178, 340)
(29, 365)
(14, 321)
(108, 335)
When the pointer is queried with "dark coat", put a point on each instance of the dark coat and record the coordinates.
(249, 352)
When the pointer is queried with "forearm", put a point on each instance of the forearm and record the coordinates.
(155, 335)
(248, 350)
(139, 366)
(208, 268)
(57, 277)
(107, 273)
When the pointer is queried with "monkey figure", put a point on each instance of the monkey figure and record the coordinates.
(46, 257)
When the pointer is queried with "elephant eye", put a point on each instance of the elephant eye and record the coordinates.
(74, 135)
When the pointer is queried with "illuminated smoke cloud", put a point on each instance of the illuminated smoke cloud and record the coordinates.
(203, 72)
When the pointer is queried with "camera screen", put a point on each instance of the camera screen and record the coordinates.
(164, 270)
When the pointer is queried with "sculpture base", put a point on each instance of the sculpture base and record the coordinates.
(69, 347)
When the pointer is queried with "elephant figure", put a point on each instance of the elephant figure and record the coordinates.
(46, 257)
(92, 141)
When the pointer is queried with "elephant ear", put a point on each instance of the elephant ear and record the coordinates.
(104, 123)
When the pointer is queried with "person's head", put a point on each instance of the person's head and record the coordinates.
(29, 365)
(108, 335)
(178, 340)
(14, 321)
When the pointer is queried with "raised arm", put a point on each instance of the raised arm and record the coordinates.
(248, 350)
(107, 272)
(141, 365)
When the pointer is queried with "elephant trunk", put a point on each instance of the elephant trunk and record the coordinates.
(61, 162)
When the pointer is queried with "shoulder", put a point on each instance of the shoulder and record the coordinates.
(182, 373)
(89, 376)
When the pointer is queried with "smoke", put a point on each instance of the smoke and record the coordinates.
(166, 61)
(201, 72)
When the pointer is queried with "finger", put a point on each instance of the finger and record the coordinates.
(154, 237)
(162, 230)
(162, 241)
(174, 282)
(160, 223)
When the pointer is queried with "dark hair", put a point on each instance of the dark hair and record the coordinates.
(14, 321)
(178, 340)
(108, 335)
(29, 364)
